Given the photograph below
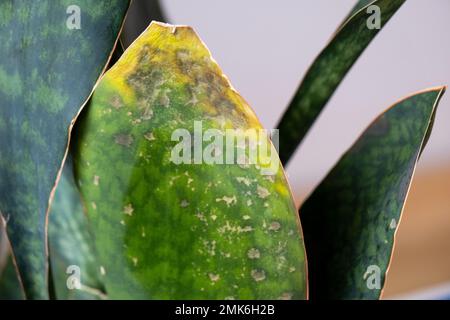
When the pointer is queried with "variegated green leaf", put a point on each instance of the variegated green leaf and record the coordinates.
(51, 56)
(72, 254)
(351, 218)
(10, 287)
(327, 72)
(182, 231)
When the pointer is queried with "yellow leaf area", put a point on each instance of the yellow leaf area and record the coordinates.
(186, 61)
(167, 58)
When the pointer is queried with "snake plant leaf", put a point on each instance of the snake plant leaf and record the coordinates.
(10, 287)
(52, 54)
(361, 4)
(4, 247)
(327, 72)
(191, 229)
(351, 219)
(72, 253)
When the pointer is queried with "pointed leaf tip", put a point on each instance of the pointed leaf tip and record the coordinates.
(327, 72)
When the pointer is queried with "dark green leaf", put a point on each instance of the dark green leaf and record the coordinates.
(10, 287)
(327, 72)
(71, 244)
(4, 247)
(47, 72)
(350, 220)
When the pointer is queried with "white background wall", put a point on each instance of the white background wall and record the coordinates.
(265, 48)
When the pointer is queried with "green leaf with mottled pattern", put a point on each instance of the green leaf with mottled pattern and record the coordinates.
(72, 252)
(10, 287)
(327, 72)
(183, 231)
(351, 218)
(48, 68)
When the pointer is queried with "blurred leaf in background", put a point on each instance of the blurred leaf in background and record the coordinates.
(328, 71)
(72, 253)
(350, 220)
(48, 67)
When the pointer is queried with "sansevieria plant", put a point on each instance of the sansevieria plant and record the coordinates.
(143, 174)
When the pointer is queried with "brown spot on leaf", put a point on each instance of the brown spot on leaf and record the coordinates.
(125, 140)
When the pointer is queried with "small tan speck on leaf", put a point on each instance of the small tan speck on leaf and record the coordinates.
(262, 192)
(228, 200)
(393, 224)
(286, 296)
(244, 180)
(214, 277)
(116, 102)
(128, 209)
(274, 226)
(125, 140)
(147, 114)
(164, 100)
(253, 253)
(149, 136)
(184, 203)
(258, 275)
